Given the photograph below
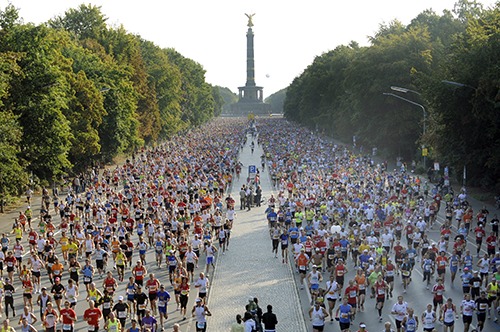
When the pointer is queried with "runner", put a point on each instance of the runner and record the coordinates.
(317, 315)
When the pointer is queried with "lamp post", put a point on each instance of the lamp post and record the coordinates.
(461, 85)
(423, 111)
(404, 90)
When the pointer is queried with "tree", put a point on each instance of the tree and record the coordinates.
(228, 98)
(276, 100)
(38, 98)
(13, 176)
(85, 22)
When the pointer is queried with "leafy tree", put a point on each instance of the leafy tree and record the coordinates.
(13, 176)
(85, 22)
(165, 79)
(38, 97)
(197, 102)
(228, 98)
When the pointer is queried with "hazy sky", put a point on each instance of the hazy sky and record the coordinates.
(288, 33)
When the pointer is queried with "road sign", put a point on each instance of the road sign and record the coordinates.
(252, 171)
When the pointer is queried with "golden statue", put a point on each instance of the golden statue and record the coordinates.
(250, 23)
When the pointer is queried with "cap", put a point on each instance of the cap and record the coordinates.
(314, 266)
(466, 269)
(120, 298)
(57, 279)
(371, 258)
(317, 249)
(362, 325)
(198, 300)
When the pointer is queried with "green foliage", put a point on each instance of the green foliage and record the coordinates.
(74, 91)
(86, 21)
(12, 175)
(276, 100)
(197, 102)
(228, 98)
(340, 93)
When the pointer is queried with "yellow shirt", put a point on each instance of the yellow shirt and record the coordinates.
(363, 247)
(120, 258)
(73, 248)
(18, 232)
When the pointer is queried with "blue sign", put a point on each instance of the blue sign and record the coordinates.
(252, 169)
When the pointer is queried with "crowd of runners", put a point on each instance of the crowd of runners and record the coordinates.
(336, 211)
(332, 212)
(169, 200)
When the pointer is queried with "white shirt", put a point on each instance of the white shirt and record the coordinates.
(250, 325)
(400, 309)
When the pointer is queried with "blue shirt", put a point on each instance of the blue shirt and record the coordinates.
(272, 216)
(163, 298)
(344, 313)
(465, 278)
(284, 239)
(294, 232)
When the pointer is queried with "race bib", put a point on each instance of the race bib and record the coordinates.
(142, 307)
(200, 325)
(67, 327)
(161, 303)
(122, 314)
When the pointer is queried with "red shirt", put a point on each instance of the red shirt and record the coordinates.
(491, 241)
(92, 316)
(340, 270)
(438, 292)
(10, 261)
(110, 284)
(480, 233)
(66, 314)
(441, 262)
(351, 293)
(139, 272)
(380, 289)
(33, 236)
(152, 286)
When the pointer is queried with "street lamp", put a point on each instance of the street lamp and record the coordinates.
(404, 90)
(462, 85)
(423, 111)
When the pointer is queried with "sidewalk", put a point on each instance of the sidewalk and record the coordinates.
(249, 268)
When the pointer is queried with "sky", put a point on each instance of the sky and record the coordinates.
(289, 34)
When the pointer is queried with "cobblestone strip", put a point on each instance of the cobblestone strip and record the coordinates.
(249, 268)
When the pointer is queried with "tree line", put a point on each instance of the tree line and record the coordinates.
(448, 63)
(75, 91)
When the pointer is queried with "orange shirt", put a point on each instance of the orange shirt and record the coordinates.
(360, 281)
(57, 269)
(302, 260)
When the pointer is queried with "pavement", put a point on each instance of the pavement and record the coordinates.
(249, 268)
